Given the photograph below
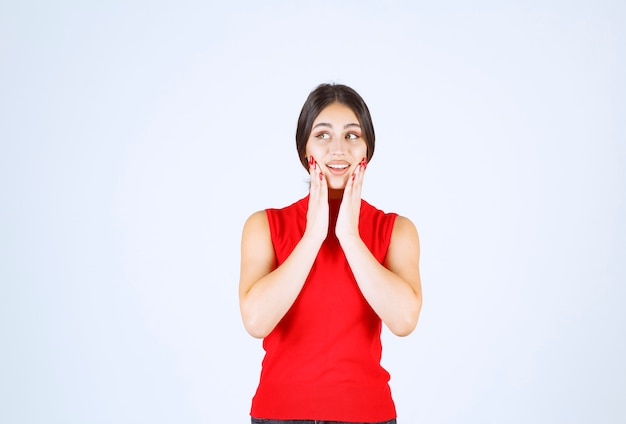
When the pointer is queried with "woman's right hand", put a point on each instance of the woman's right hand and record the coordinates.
(266, 292)
(317, 214)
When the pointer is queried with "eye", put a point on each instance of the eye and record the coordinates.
(323, 136)
(352, 136)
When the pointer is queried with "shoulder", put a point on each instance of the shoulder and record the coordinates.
(404, 250)
(256, 240)
(257, 222)
(404, 243)
(257, 218)
(404, 231)
(390, 222)
(403, 226)
(262, 221)
(370, 209)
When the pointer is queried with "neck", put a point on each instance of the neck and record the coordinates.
(335, 193)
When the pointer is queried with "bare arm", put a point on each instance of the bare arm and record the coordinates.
(266, 292)
(393, 289)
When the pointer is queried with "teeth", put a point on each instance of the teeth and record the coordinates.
(337, 166)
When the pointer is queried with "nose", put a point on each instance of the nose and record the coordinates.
(337, 146)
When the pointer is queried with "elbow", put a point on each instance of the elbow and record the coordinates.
(255, 331)
(403, 329)
(256, 323)
(255, 326)
(405, 326)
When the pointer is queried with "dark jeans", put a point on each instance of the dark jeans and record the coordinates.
(268, 421)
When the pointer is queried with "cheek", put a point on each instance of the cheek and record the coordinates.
(312, 150)
(360, 150)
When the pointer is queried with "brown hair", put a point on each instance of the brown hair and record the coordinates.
(322, 96)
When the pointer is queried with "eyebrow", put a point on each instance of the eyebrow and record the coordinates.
(326, 124)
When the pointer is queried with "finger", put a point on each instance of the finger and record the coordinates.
(361, 173)
(313, 174)
(356, 181)
(311, 161)
(318, 183)
(350, 183)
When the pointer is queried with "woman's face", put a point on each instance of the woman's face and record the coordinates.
(337, 144)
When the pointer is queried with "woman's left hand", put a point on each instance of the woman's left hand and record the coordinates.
(348, 219)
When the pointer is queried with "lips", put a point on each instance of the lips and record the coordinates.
(338, 167)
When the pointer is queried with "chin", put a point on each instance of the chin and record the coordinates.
(336, 183)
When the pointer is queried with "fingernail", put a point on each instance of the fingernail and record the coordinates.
(321, 176)
(353, 176)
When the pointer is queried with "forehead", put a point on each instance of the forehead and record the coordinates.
(336, 112)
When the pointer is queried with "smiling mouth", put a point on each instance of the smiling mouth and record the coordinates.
(338, 166)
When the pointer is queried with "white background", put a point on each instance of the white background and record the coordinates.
(137, 137)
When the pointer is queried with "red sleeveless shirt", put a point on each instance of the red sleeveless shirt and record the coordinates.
(322, 360)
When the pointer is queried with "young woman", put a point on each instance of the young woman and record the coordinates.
(320, 276)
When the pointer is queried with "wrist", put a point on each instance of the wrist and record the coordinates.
(348, 238)
(314, 239)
